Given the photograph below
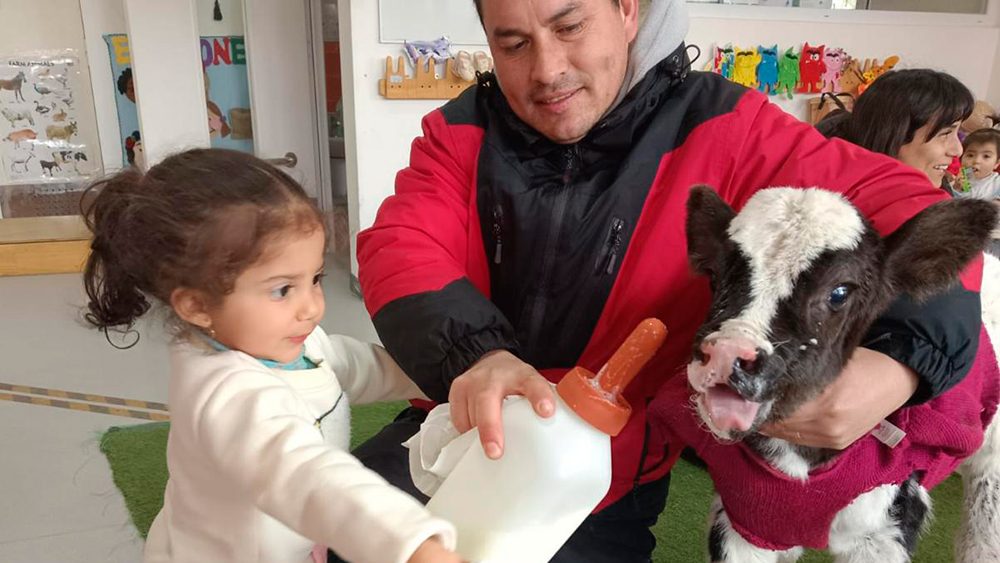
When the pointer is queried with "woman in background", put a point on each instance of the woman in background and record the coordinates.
(911, 115)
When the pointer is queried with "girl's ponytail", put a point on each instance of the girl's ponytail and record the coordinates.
(115, 295)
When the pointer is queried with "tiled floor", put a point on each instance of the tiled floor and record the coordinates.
(57, 501)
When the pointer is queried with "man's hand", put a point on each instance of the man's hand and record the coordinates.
(871, 387)
(477, 395)
(431, 551)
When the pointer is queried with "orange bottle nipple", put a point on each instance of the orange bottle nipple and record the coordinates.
(597, 398)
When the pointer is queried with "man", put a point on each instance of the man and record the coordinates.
(542, 216)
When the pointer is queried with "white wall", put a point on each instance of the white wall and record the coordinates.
(232, 18)
(993, 92)
(379, 132)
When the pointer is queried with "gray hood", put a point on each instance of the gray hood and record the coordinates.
(662, 30)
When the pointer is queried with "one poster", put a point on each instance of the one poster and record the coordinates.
(40, 137)
(227, 94)
(227, 91)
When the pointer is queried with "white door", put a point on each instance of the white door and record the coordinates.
(283, 65)
(166, 66)
(283, 49)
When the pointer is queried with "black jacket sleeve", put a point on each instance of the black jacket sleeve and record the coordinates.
(938, 338)
(435, 336)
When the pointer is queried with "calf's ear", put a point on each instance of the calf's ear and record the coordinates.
(927, 253)
(708, 218)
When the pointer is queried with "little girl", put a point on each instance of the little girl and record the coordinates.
(259, 394)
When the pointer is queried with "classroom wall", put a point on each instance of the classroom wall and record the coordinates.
(378, 132)
(232, 17)
(993, 91)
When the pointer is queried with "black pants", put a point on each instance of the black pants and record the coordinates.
(618, 534)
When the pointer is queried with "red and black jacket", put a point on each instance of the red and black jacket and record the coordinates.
(497, 238)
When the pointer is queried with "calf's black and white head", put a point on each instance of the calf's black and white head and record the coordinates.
(797, 278)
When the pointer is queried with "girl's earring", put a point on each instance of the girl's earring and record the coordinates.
(211, 333)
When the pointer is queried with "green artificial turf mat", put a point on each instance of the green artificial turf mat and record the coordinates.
(137, 455)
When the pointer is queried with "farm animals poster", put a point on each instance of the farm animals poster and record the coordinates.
(227, 94)
(40, 135)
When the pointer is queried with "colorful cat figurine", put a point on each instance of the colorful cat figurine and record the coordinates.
(788, 73)
(745, 72)
(812, 69)
(727, 61)
(835, 60)
(767, 71)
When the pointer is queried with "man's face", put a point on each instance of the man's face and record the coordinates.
(561, 63)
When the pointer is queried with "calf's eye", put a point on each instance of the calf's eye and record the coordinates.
(838, 297)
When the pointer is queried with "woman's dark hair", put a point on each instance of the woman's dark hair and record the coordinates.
(197, 220)
(889, 113)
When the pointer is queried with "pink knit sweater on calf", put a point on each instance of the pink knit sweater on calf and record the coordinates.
(774, 511)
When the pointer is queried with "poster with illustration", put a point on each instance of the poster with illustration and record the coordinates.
(40, 137)
(227, 94)
(124, 88)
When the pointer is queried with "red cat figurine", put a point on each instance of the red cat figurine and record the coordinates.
(812, 67)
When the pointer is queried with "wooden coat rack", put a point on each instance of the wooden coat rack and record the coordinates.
(424, 85)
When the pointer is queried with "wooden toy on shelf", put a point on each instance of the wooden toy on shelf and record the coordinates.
(424, 85)
(851, 77)
(873, 70)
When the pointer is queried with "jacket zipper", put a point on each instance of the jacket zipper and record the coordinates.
(642, 460)
(609, 257)
(498, 233)
(558, 212)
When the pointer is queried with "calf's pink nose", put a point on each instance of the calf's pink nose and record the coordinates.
(717, 364)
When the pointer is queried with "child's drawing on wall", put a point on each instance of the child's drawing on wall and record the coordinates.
(133, 150)
(217, 126)
(126, 87)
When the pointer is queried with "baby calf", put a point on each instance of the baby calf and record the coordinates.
(797, 278)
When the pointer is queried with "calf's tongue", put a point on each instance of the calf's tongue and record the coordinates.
(728, 410)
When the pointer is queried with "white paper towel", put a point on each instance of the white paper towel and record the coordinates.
(436, 449)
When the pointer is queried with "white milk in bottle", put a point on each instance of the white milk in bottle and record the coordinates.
(554, 471)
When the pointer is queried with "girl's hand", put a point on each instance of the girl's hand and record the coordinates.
(431, 551)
